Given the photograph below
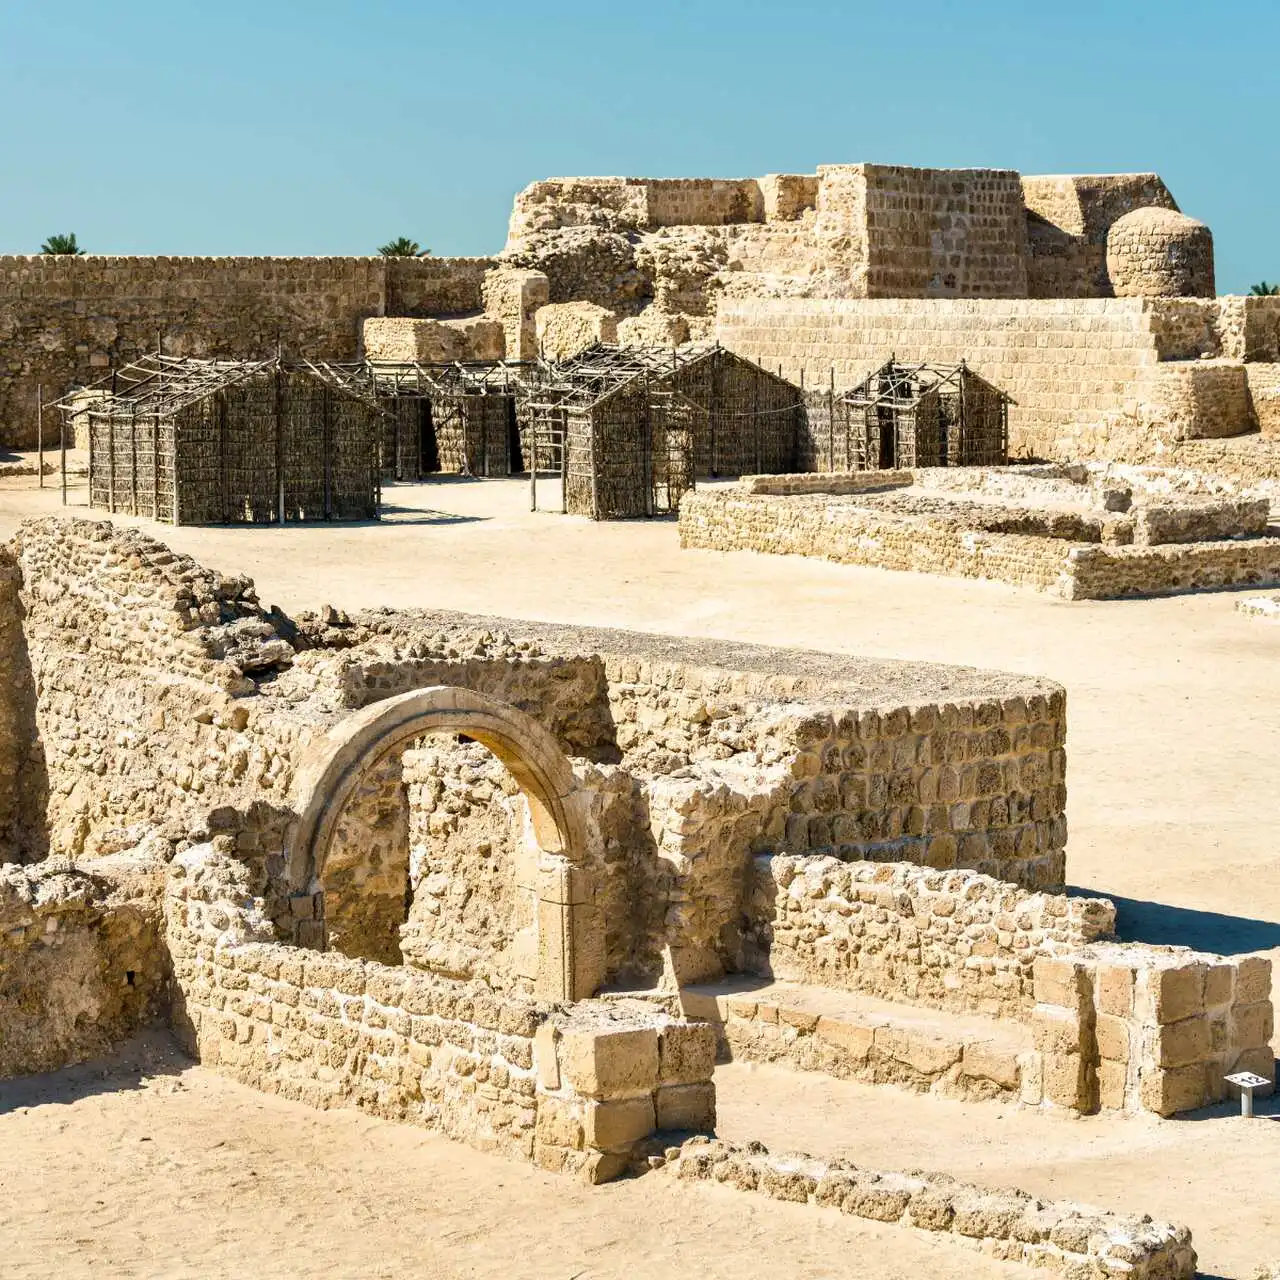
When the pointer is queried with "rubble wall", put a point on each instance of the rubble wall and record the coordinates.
(572, 1090)
(954, 940)
(82, 960)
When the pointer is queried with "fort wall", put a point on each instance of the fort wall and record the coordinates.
(64, 321)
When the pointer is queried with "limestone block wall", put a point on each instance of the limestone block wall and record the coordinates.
(82, 959)
(513, 297)
(400, 339)
(1131, 1027)
(1073, 367)
(65, 320)
(952, 940)
(564, 329)
(1068, 218)
(572, 1090)
(941, 232)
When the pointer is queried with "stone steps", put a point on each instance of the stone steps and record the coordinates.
(856, 1037)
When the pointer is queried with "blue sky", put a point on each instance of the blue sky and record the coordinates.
(327, 127)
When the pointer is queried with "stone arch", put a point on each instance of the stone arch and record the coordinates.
(567, 955)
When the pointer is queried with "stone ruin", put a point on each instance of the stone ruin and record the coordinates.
(1083, 532)
(524, 884)
(1086, 299)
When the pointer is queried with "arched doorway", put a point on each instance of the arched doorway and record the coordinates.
(351, 827)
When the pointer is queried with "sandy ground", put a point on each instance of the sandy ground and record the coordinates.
(150, 1167)
(1173, 745)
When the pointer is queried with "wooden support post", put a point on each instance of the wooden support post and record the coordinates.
(62, 449)
(111, 463)
(40, 433)
(279, 425)
(155, 468)
(831, 419)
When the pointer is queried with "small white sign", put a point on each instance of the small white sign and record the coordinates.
(1247, 1080)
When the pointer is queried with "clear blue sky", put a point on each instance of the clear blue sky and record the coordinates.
(326, 128)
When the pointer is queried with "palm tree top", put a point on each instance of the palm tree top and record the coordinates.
(1264, 290)
(59, 244)
(402, 247)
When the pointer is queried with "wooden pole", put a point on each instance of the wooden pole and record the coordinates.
(62, 448)
(111, 463)
(40, 432)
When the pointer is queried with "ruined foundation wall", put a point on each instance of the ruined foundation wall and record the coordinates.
(571, 1090)
(65, 320)
(24, 783)
(82, 960)
(953, 940)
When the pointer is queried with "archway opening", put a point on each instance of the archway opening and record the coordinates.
(382, 843)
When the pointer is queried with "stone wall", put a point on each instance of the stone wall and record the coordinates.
(171, 701)
(571, 1090)
(82, 961)
(1129, 1027)
(1064, 1238)
(944, 541)
(1066, 364)
(24, 783)
(402, 340)
(65, 320)
(952, 940)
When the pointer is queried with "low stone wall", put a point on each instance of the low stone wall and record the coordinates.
(1059, 1236)
(833, 528)
(82, 963)
(572, 1089)
(1139, 1028)
(954, 940)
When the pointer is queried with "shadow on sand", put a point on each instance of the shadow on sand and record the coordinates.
(1138, 920)
(132, 1065)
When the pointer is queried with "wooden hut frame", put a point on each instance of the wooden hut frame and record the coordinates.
(923, 415)
(191, 441)
(456, 417)
(709, 413)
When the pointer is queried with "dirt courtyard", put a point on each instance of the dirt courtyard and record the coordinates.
(1173, 743)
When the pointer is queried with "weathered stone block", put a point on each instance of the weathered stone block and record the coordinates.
(1058, 1031)
(1174, 993)
(618, 1123)
(989, 1062)
(1066, 1080)
(686, 1053)
(1061, 982)
(1167, 1092)
(1178, 1044)
(686, 1106)
(1112, 1084)
(1253, 979)
(607, 1064)
(1252, 1025)
(1115, 990)
(1113, 1038)
(852, 1040)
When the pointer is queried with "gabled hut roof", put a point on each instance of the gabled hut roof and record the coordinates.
(898, 385)
(603, 369)
(165, 385)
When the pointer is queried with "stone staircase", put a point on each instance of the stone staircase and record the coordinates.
(851, 1036)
